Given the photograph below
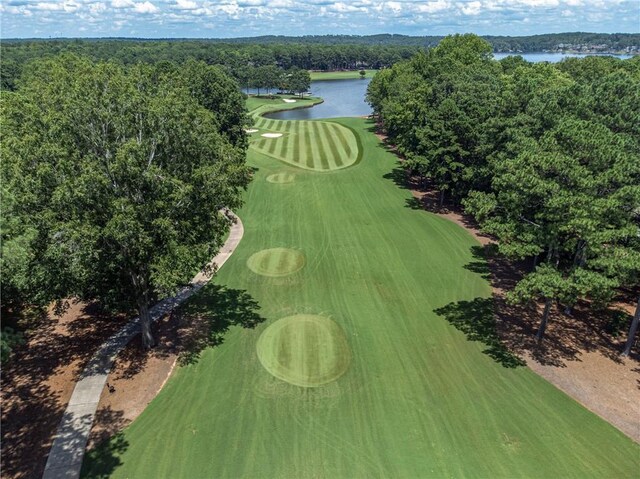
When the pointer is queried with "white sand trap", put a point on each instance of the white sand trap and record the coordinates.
(288, 100)
(272, 135)
(250, 130)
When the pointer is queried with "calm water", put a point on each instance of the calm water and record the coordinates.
(552, 57)
(341, 98)
(346, 97)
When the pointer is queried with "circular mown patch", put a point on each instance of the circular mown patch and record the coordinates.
(305, 350)
(281, 178)
(276, 262)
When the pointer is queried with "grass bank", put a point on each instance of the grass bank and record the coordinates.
(340, 75)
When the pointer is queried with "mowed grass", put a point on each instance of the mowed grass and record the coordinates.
(417, 399)
(311, 145)
(304, 350)
(340, 75)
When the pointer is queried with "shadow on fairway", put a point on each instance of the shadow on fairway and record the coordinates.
(201, 323)
(205, 319)
(99, 463)
(476, 319)
(481, 254)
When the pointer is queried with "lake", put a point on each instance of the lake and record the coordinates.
(346, 97)
(554, 57)
(341, 98)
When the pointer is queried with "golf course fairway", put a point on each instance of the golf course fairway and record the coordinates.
(352, 374)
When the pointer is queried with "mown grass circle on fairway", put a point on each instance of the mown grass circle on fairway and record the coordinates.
(281, 178)
(276, 262)
(305, 350)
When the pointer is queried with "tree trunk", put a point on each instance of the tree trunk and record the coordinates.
(145, 325)
(632, 331)
(545, 319)
(441, 198)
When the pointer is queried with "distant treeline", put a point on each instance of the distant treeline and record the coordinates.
(610, 42)
(234, 57)
(613, 42)
(326, 52)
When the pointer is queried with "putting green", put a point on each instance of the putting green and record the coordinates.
(311, 145)
(304, 350)
(418, 398)
(276, 262)
(281, 178)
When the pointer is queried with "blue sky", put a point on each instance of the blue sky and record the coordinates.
(233, 18)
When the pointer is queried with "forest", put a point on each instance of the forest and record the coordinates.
(610, 42)
(546, 157)
(235, 58)
(325, 52)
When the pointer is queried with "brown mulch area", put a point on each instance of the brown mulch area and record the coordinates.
(580, 353)
(136, 377)
(38, 381)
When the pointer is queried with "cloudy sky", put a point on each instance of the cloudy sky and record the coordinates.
(233, 18)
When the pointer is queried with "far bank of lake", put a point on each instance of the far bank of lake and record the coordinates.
(346, 98)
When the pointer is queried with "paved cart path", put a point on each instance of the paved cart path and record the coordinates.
(67, 450)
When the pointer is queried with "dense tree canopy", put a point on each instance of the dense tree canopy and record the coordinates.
(545, 156)
(235, 58)
(115, 177)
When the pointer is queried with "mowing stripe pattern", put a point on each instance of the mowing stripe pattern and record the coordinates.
(312, 145)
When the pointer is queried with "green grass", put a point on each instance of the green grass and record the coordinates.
(305, 350)
(416, 398)
(312, 145)
(340, 75)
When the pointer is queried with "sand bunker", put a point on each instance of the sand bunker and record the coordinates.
(281, 178)
(272, 135)
(276, 262)
(306, 350)
(250, 130)
(289, 100)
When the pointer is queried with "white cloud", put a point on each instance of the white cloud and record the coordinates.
(305, 17)
(50, 6)
(96, 8)
(122, 3)
(145, 7)
(433, 7)
(471, 8)
(395, 7)
(345, 7)
(186, 5)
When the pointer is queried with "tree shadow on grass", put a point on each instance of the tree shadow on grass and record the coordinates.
(201, 323)
(205, 319)
(476, 319)
(101, 462)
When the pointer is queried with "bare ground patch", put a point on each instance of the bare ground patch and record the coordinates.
(38, 381)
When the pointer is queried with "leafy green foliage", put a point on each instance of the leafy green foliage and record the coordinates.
(120, 173)
(546, 157)
(9, 339)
